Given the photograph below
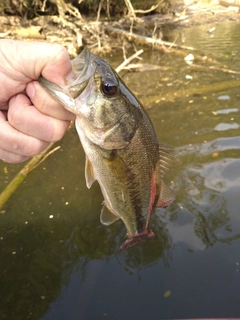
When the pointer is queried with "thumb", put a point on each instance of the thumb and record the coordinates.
(56, 65)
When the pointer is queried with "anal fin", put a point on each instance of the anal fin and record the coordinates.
(107, 217)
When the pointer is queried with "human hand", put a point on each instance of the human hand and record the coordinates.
(29, 118)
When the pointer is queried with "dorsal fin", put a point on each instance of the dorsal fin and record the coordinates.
(165, 158)
(107, 217)
(89, 173)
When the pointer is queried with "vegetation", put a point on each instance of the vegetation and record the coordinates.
(31, 9)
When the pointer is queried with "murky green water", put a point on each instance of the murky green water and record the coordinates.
(58, 261)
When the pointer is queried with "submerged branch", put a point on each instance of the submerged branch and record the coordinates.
(128, 60)
(193, 65)
(158, 43)
(20, 177)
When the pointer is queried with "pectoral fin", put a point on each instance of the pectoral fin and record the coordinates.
(166, 196)
(89, 173)
(107, 217)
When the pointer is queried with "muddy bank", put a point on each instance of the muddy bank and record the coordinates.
(75, 31)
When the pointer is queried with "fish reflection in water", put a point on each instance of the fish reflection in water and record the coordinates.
(121, 147)
(211, 192)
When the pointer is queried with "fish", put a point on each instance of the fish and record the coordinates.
(121, 147)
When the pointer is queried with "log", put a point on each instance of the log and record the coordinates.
(138, 39)
(156, 44)
(229, 4)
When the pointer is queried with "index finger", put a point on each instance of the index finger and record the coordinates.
(46, 104)
(28, 60)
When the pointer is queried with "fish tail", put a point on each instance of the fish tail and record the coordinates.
(146, 235)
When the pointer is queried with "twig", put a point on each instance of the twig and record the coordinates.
(108, 9)
(99, 10)
(18, 179)
(213, 68)
(131, 12)
(43, 6)
(126, 61)
(4, 34)
(143, 67)
(149, 10)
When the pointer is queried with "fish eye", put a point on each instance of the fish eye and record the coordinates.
(109, 89)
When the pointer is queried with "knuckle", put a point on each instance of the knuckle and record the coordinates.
(32, 146)
(13, 158)
(16, 158)
(58, 130)
(41, 104)
(13, 114)
(60, 53)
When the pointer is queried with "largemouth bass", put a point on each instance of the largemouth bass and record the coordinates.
(121, 147)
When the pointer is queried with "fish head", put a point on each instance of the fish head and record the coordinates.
(106, 110)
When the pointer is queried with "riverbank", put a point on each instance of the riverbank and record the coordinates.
(75, 31)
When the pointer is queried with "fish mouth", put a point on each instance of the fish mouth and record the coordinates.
(83, 68)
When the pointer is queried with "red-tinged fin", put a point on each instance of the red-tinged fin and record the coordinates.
(153, 194)
(166, 196)
(146, 235)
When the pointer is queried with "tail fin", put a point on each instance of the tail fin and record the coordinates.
(141, 237)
